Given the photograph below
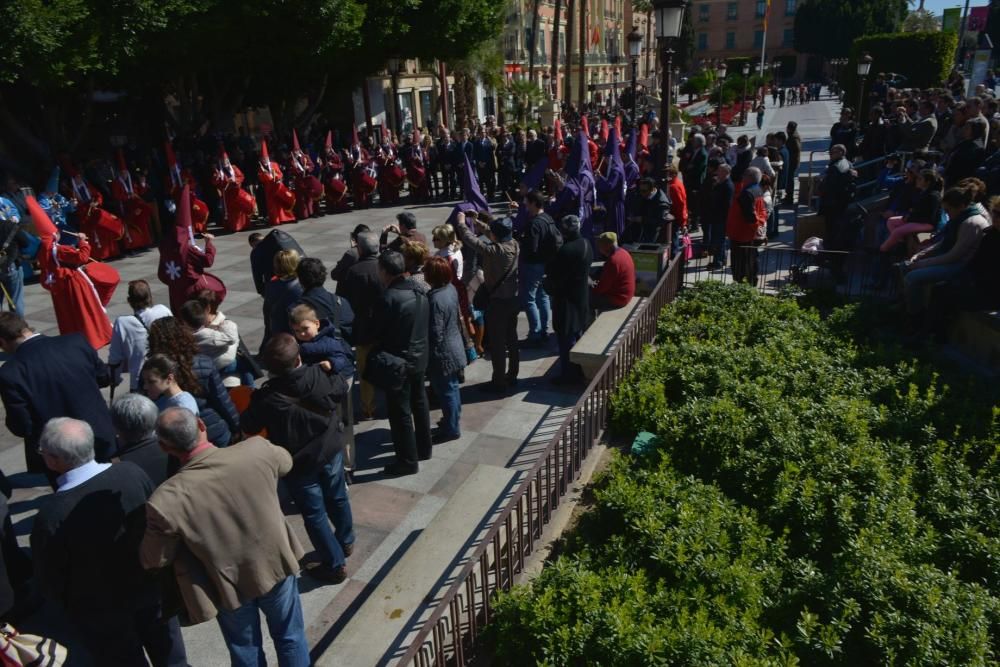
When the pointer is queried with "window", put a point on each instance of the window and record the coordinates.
(788, 37)
(562, 43)
(702, 41)
(730, 40)
(541, 43)
(790, 7)
(758, 39)
(731, 10)
(761, 9)
(529, 40)
(703, 12)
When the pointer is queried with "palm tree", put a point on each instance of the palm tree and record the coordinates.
(524, 94)
(534, 40)
(555, 46)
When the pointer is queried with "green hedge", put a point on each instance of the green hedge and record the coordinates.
(815, 499)
(924, 58)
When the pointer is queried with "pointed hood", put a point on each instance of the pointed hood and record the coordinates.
(604, 130)
(558, 133)
(471, 187)
(120, 156)
(633, 145)
(265, 157)
(355, 140)
(579, 157)
(174, 247)
(618, 125)
(53, 183)
(328, 144)
(173, 167)
(382, 134)
(223, 155)
(632, 173)
(612, 150)
(533, 179)
(585, 126)
(43, 224)
(644, 136)
(295, 142)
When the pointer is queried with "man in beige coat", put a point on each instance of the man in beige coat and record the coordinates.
(219, 522)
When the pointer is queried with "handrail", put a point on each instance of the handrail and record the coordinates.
(550, 476)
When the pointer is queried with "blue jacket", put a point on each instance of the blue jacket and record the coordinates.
(328, 346)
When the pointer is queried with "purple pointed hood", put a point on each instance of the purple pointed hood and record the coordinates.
(533, 179)
(471, 188)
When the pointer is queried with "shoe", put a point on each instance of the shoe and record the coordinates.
(441, 438)
(348, 549)
(328, 574)
(399, 470)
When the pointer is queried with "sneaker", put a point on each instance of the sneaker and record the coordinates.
(328, 574)
(348, 549)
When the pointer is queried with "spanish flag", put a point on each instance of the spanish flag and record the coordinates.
(767, 13)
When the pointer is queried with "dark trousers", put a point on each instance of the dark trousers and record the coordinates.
(434, 177)
(488, 182)
(118, 637)
(501, 327)
(745, 263)
(450, 183)
(410, 421)
(566, 341)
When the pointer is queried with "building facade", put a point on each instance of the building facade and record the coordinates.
(417, 86)
(606, 64)
(735, 28)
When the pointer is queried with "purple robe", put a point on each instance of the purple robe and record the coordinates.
(611, 188)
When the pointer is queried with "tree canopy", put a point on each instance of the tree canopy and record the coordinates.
(829, 27)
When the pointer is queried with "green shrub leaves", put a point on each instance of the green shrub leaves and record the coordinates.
(815, 499)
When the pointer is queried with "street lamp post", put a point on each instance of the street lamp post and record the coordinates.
(669, 21)
(548, 90)
(394, 67)
(721, 73)
(614, 90)
(634, 51)
(864, 67)
(593, 87)
(743, 105)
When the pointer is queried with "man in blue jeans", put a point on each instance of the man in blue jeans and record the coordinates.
(12, 239)
(298, 407)
(540, 241)
(219, 521)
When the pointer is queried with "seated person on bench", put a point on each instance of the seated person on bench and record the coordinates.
(615, 286)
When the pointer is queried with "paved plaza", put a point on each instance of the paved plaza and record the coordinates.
(459, 488)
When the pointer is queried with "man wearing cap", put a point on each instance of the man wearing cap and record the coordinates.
(405, 231)
(500, 279)
(615, 287)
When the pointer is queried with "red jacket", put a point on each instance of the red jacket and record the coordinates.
(678, 202)
(746, 214)
(617, 281)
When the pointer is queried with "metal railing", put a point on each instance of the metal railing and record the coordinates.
(449, 634)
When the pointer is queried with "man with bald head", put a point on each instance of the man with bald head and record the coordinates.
(85, 543)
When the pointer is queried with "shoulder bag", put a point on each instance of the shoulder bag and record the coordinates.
(481, 300)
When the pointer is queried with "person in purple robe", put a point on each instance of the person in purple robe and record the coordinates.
(611, 188)
(632, 172)
(576, 195)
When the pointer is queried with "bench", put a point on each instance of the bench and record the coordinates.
(977, 335)
(592, 350)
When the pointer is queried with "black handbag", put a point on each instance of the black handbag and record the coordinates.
(386, 371)
(481, 299)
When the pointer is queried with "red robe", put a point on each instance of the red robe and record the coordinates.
(76, 297)
(135, 212)
(364, 180)
(184, 272)
(308, 189)
(280, 200)
(390, 178)
(103, 229)
(237, 202)
(334, 185)
(416, 176)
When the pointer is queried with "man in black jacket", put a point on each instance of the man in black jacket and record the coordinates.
(401, 326)
(312, 274)
(648, 213)
(363, 289)
(52, 376)
(85, 542)
(566, 279)
(539, 244)
(534, 151)
(298, 407)
(134, 417)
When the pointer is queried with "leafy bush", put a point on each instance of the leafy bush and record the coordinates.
(816, 499)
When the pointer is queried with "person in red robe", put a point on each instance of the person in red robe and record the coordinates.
(237, 203)
(135, 212)
(559, 150)
(364, 173)
(334, 184)
(102, 228)
(391, 175)
(183, 263)
(591, 145)
(280, 200)
(178, 177)
(80, 287)
(308, 189)
(416, 172)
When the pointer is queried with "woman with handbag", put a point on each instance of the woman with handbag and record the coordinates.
(497, 296)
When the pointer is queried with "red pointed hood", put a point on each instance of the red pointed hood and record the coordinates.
(264, 156)
(558, 133)
(383, 132)
(585, 125)
(329, 140)
(604, 130)
(168, 150)
(223, 155)
(355, 140)
(122, 164)
(618, 126)
(43, 224)
(174, 247)
(295, 142)
(644, 136)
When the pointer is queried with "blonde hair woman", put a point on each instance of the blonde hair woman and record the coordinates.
(447, 245)
(279, 294)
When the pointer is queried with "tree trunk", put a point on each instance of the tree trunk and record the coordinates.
(304, 119)
(534, 40)
(582, 79)
(554, 74)
(649, 39)
(570, 15)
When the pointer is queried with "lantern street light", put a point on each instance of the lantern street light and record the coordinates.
(721, 72)
(743, 106)
(634, 51)
(864, 67)
(669, 21)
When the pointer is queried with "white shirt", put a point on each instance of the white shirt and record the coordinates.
(454, 258)
(129, 342)
(77, 476)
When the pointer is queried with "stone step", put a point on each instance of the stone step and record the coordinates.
(393, 611)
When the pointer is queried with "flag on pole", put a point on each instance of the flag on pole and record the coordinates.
(767, 13)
